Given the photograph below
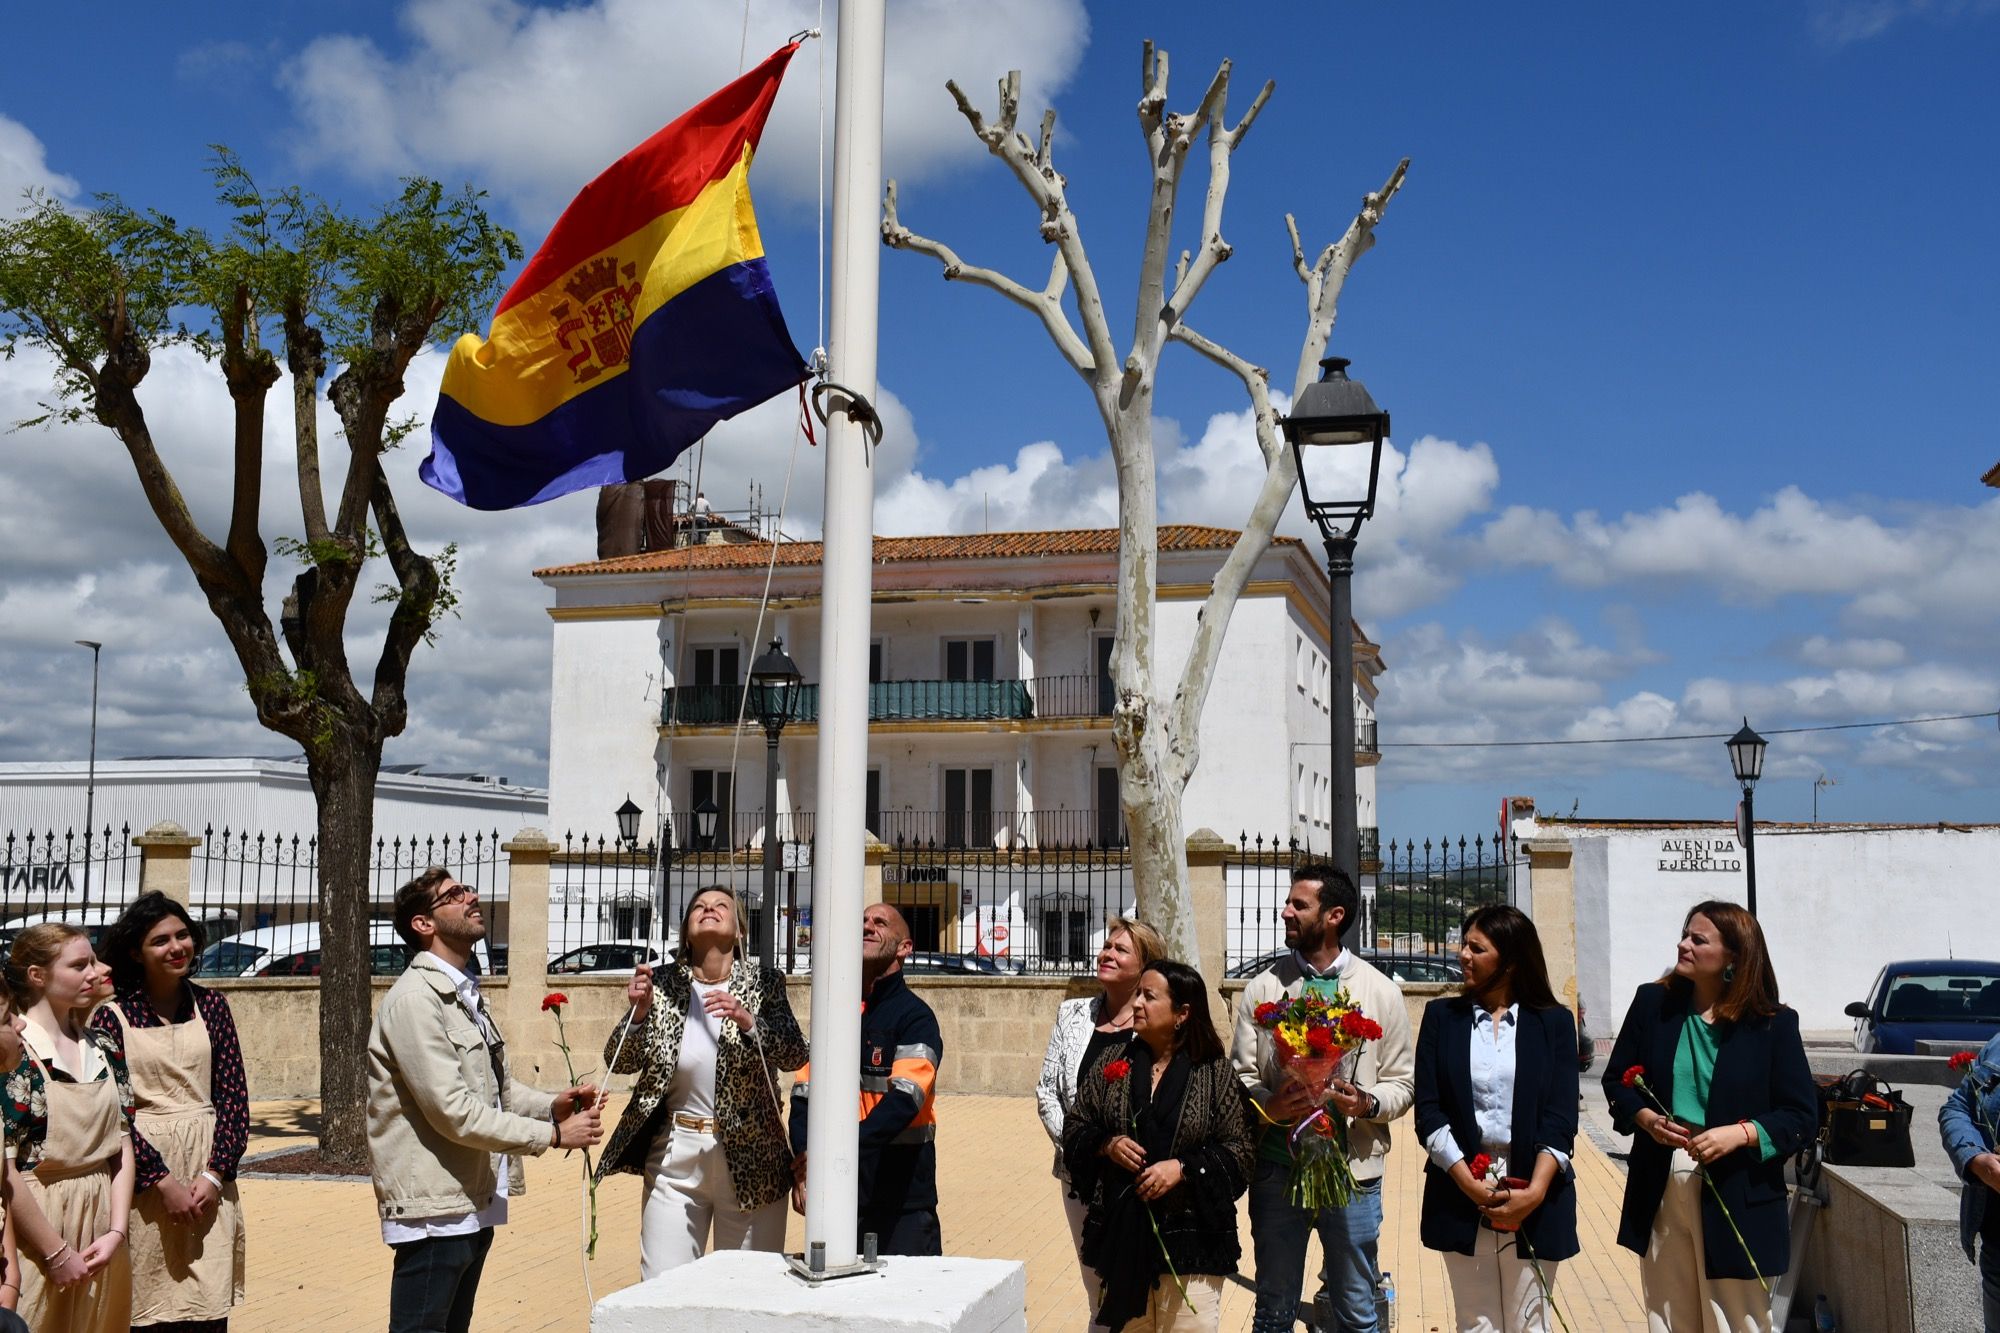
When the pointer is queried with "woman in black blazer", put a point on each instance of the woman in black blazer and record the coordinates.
(1497, 1074)
(1724, 1057)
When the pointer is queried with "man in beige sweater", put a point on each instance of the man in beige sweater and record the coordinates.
(1318, 908)
(446, 1122)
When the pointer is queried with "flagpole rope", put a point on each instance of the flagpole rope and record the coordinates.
(743, 45)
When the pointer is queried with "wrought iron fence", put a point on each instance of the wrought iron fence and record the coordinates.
(908, 701)
(1001, 830)
(977, 911)
(612, 904)
(65, 877)
(259, 895)
(1411, 908)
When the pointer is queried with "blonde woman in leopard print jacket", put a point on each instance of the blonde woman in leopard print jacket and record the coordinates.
(703, 1128)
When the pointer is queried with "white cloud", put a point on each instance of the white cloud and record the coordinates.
(1822, 650)
(1843, 22)
(24, 166)
(532, 102)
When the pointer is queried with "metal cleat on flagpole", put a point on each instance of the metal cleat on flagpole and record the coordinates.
(859, 409)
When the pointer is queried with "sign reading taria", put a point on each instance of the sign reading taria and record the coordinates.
(1713, 854)
(37, 879)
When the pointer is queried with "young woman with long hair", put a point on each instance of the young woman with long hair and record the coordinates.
(1497, 1075)
(1715, 1049)
(703, 1126)
(192, 1120)
(68, 1112)
(1158, 1145)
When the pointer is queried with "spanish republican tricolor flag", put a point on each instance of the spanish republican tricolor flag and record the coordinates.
(646, 317)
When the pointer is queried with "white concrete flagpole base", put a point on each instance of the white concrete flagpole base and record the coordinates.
(747, 1291)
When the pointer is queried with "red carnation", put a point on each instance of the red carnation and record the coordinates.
(1116, 1070)
(1962, 1061)
(1361, 1027)
(1479, 1166)
(1634, 1076)
(555, 999)
(1321, 1040)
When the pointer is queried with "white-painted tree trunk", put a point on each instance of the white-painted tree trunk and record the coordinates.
(1158, 738)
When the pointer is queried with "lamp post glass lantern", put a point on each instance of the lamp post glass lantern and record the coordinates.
(1746, 760)
(704, 824)
(1333, 414)
(628, 823)
(774, 685)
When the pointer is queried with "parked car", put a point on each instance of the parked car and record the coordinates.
(1396, 969)
(605, 958)
(294, 951)
(96, 920)
(1928, 999)
(924, 964)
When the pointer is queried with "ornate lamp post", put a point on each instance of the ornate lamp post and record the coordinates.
(1334, 413)
(628, 823)
(774, 693)
(1746, 757)
(705, 816)
(90, 781)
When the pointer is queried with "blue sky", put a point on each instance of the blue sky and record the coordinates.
(1684, 317)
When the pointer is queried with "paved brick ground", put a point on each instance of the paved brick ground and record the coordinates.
(317, 1260)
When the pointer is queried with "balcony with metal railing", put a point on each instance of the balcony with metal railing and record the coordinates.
(915, 701)
(1365, 744)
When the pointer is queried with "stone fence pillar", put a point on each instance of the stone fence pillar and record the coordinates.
(166, 859)
(1552, 903)
(1208, 895)
(528, 854)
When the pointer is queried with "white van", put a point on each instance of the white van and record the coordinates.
(293, 951)
(217, 922)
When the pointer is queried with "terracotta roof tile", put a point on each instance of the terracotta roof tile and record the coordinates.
(889, 550)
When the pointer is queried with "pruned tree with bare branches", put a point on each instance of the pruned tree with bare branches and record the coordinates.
(1158, 738)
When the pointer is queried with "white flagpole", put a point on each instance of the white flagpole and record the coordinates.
(832, 1124)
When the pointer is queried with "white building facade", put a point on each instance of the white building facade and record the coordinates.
(990, 703)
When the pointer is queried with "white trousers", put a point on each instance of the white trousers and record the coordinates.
(1494, 1289)
(688, 1193)
(1680, 1295)
(1093, 1287)
(1167, 1312)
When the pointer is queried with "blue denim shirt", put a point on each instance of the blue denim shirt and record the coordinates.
(1969, 1120)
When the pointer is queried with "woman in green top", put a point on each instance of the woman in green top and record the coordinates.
(1705, 1199)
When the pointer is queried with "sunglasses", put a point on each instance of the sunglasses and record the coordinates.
(457, 893)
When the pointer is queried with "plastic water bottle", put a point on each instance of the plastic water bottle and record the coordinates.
(1823, 1320)
(1385, 1304)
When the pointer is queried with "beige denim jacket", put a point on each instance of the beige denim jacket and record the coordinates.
(432, 1124)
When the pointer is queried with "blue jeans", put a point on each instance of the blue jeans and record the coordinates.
(434, 1282)
(1989, 1283)
(1347, 1236)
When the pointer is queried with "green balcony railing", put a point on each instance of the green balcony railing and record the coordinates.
(906, 701)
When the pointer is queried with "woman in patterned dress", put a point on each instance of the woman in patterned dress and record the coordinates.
(191, 1124)
(68, 1113)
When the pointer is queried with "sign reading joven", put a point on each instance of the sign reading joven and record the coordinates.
(1700, 854)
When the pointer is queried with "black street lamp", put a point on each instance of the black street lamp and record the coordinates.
(774, 693)
(704, 824)
(628, 824)
(90, 782)
(1335, 412)
(1746, 757)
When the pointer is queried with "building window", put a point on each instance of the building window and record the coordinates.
(1299, 652)
(1107, 694)
(1065, 934)
(1304, 812)
(968, 807)
(872, 816)
(711, 784)
(968, 659)
(718, 665)
(1110, 816)
(876, 652)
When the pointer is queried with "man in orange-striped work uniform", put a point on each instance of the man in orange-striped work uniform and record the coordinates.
(900, 1053)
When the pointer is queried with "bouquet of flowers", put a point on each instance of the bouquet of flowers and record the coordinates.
(1318, 1038)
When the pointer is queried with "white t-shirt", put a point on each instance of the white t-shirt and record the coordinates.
(693, 1088)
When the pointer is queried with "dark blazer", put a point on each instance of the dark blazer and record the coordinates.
(1545, 1102)
(1761, 1074)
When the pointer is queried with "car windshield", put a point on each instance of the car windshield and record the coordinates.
(1945, 998)
(228, 958)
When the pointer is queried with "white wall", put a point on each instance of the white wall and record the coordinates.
(604, 713)
(1836, 903)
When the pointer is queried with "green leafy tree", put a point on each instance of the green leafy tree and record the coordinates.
(342, 303)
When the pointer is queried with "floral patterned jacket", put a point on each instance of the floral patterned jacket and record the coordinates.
(749, 1125)
(26, 1104)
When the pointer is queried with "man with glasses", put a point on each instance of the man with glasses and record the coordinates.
(446, 1124)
